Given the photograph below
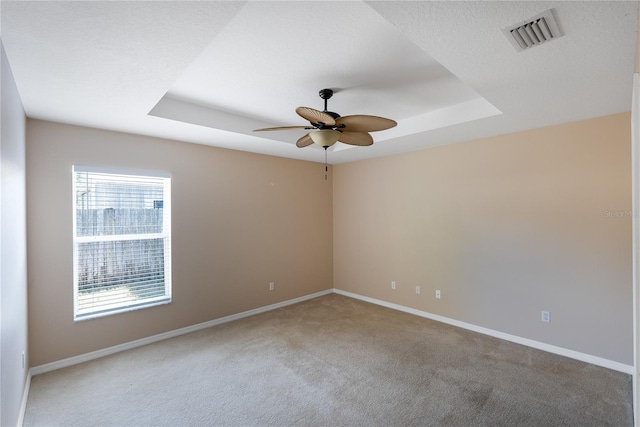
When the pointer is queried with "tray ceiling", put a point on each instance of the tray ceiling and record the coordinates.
(210, 72)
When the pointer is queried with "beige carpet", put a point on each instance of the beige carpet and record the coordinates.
(332, 361)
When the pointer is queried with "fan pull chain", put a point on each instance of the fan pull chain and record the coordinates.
(326, 169)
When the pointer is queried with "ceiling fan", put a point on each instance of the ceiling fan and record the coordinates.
(328, 127)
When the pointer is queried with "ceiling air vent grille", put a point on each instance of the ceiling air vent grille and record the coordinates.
(533, 32)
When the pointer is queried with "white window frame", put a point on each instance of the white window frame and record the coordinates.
(84, 314)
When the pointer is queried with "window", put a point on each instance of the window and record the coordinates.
(121, 241)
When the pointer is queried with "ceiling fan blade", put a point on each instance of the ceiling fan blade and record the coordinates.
(356, 138)
(282, 128)
(315, 116)
(363, 123)
(304, 141)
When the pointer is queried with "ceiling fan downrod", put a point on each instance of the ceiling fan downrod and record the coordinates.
(326, 94)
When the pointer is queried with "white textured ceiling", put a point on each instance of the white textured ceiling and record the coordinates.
(210, 72)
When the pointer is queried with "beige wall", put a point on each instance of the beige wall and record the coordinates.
(505, 227)
(240, 221)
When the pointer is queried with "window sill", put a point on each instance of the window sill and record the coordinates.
(103, 313)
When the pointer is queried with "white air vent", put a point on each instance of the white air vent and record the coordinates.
(533, 32)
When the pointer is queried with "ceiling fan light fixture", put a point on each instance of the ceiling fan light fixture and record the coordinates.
(324, 137)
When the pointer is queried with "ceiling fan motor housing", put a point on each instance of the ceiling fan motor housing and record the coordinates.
(335, 116)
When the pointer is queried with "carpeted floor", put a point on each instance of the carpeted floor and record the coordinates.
(332, 361)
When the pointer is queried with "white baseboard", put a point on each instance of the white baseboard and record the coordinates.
(48, 367)
(583, 357)
(616, 366)
(25, 397)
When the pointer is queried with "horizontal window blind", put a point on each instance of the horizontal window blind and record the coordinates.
(122, 241)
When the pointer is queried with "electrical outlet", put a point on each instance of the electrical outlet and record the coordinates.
(418, 290)
(438, 293)
(545, 316)
(272, 286)
(393, 284)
